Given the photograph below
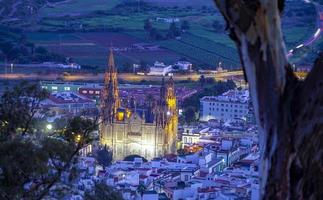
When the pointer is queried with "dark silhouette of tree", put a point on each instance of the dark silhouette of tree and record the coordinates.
(143, 66)
(185, 25)
(104, 156)
(31, 164)
(202, 80)
(132, 158)
(288, 110)
(18, 108)
(148, 25)
(189, 114)
(141, 189)
(173, 31)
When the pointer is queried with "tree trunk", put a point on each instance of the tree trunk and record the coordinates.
(289, 111)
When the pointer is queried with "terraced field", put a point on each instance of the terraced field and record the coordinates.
(84, 30)
(77, 7)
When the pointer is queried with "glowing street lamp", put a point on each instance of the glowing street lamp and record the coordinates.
(49, 127)
(78, 138)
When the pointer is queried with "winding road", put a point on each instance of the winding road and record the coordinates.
(316, 36)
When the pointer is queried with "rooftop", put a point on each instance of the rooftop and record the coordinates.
(68, 97)
(239, 96)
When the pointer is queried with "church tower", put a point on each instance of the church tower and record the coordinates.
(172, 116)
(110, 100)
(167, 115)
(149, 131)
(161, 109)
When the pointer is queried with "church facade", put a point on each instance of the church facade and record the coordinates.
(148, 130)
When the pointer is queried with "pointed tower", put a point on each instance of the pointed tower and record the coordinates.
(166, 115)
(110, 100)
(161, 108)
(172, 116)
(170, 96)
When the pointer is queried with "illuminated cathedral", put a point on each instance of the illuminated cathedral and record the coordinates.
(126, 128)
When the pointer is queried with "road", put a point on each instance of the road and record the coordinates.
(316, 35)
(236, 76)
(124, 76)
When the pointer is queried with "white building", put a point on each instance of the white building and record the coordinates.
(228, 106)
(69, 103)
(160, 69)
(167, 20)
(190, 136)
(183, 65)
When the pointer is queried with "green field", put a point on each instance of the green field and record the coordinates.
(77, 7)
(202, 44)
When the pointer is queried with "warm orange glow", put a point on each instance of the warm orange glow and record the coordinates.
(78, 138)
(171, 103)
(120, 116)
(192, 149)
(128, 113)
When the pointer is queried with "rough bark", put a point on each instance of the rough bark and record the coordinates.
(288, 111)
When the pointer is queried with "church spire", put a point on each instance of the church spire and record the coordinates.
(110, 100)
(111, 65)
(161, 108)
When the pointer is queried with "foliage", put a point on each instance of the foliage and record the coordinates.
(104, 157)
(18, 108)
(154, 34)
(189, 114)
(148, 25)
(16, 48)
(79, 129)
(185, 25)
(141, 189)
(202, 80)
(39, 160)
(191, 105)
(132, 158)
(173, 31)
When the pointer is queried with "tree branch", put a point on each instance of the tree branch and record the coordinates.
(255, 27)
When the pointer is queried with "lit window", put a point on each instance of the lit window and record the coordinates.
(84, 92)
(54, 88)
(120, 116)
(67, 88)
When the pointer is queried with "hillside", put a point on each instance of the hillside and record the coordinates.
(12, 10)
(84, 30)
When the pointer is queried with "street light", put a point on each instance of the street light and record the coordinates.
(78, 138)
(49, 127)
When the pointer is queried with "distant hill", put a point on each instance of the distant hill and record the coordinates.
(11, 10)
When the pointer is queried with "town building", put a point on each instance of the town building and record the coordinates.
(228, 106)
(69, 103)
(183, 65)
(58, 86)
(148, 131)
(160, 69)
